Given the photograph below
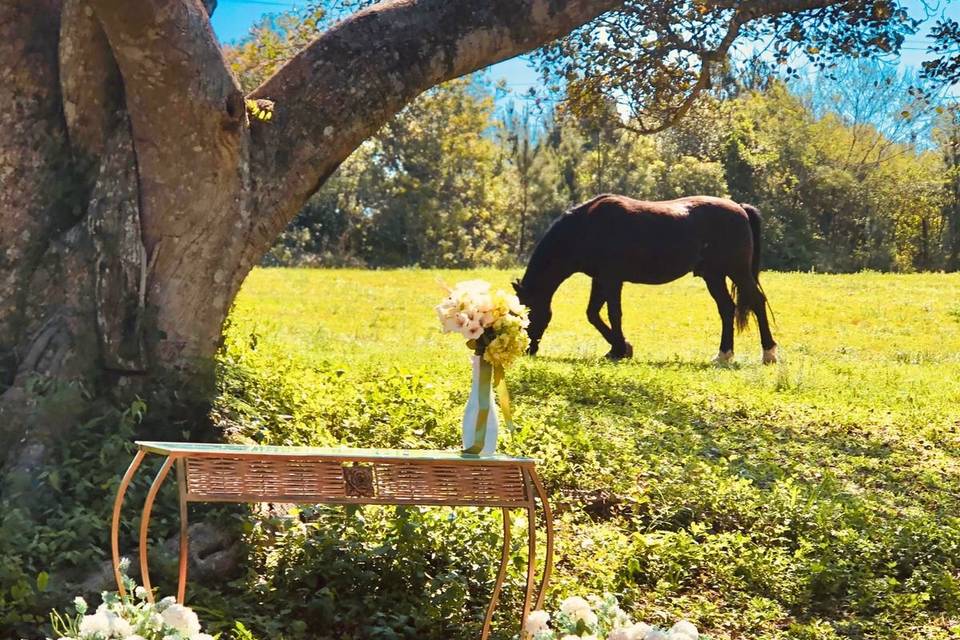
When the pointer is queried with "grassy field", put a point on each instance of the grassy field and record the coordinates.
(817, 498)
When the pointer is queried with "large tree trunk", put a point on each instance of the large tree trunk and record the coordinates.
(136, 194)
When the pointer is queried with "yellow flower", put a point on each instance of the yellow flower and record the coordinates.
(507, 346)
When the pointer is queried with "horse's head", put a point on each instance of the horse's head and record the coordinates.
(539, 305)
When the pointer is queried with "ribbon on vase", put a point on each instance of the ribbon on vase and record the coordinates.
(503, 395)
(490, 376)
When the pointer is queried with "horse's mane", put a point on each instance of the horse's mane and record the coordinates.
(555, 237)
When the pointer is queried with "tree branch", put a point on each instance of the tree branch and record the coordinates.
(186, 109)
(89, 80)
(753, 9)
(353, 78)
(708, 58)
(191, 141)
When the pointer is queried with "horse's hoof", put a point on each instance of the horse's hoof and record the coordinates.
(615, 354)
(724, 357)
(770, 355)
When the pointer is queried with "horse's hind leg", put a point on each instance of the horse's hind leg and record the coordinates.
(749, 293)
(717, 286)
(766, 337)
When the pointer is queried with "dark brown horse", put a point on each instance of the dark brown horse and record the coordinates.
(615, 239)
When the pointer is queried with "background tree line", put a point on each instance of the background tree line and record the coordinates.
(850, 169)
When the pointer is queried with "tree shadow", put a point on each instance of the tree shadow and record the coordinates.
(766, 448)
(672, 364)
(822, 484)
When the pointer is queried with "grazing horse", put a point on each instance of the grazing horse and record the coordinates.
(616, 239)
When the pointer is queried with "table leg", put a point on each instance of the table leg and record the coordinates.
(184, 543)
(501, 574)
(115, 527)
(531, 563)
(145, 523)
(548, 558)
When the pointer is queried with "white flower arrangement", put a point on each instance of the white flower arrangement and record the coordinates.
(596, 618)
(129, 617)
(493, 321)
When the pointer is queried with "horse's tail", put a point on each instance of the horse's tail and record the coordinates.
(749, 297)
(753, 215)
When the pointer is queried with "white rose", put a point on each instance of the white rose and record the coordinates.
(655, 634)
(684, 628)
(621, 633)
(639, 631)
(587, 615)
(573, 603)
(182, 618)
(166, 602)
(97, 623)
(120, 627)
(536, 622)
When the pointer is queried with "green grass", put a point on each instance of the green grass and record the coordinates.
(817, 498)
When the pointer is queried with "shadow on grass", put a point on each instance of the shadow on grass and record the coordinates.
(845, 508)
(672, 364)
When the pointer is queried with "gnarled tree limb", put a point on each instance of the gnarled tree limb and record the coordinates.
(89, 81)
(185, 107)
(354, 77)
(189, 130)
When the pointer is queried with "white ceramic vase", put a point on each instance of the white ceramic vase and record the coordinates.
(482, 385)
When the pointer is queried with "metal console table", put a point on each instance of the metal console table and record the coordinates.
(311, 475)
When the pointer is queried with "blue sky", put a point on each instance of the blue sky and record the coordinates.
(233, 19)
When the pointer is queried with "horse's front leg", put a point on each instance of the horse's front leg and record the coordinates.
(620, 347)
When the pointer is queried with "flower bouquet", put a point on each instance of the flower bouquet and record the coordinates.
(129, 617)
(494, 324)
(596, 618)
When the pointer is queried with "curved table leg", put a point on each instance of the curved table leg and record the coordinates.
(501, 574)
(548, 559)
(115, 526)
(531, 564)
(182, 490)
(145, 523)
